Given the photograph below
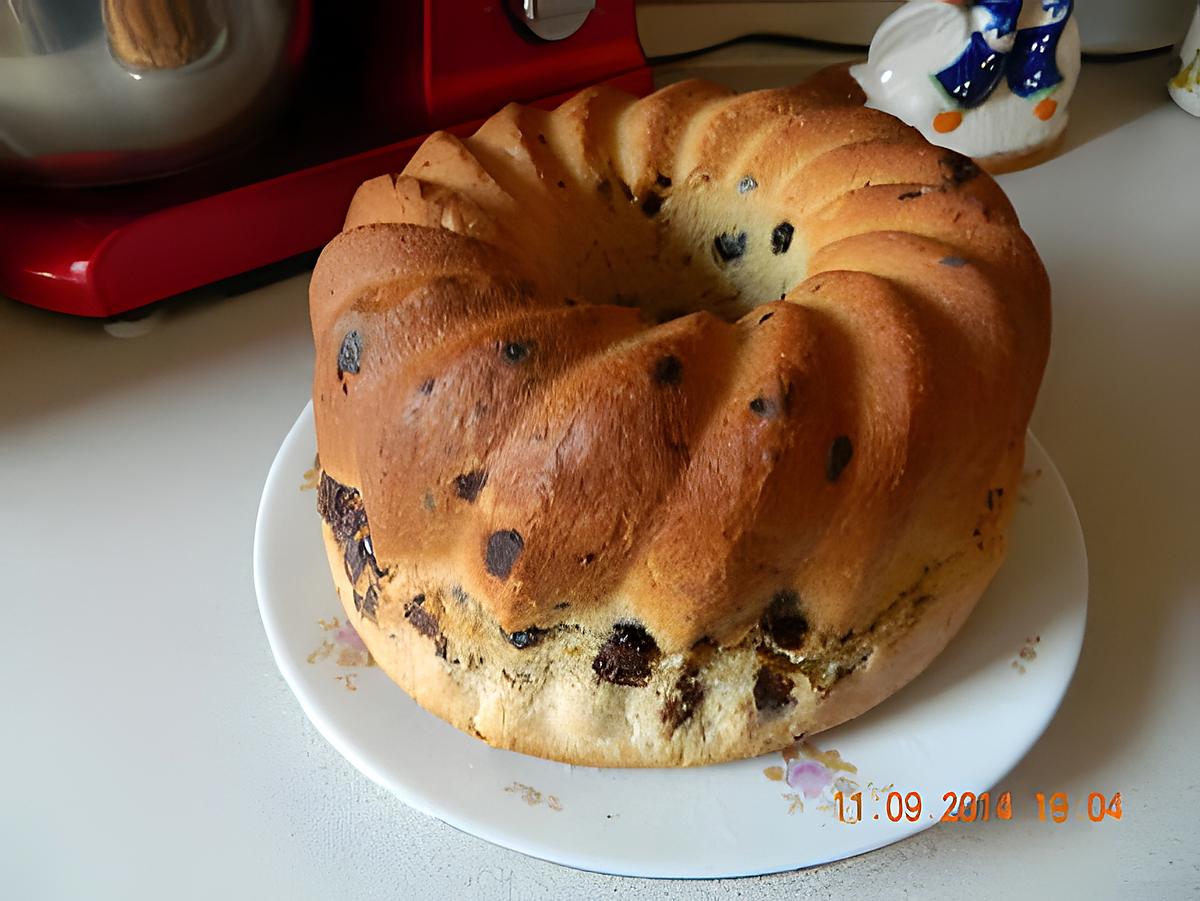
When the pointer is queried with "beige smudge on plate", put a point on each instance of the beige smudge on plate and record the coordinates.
(1188, 76)
(322, 652)
(351, 652)
(830, 759)
(815, 784)
(1027, 653)
(532, 796)
(877, 791)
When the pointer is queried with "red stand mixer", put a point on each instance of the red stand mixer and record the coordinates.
(372, 80)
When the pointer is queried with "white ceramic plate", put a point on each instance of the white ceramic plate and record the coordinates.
(960, 727)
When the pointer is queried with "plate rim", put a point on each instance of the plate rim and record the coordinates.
(593, 861)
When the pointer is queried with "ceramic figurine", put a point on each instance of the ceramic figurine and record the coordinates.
(1185, 85)
(989, 78)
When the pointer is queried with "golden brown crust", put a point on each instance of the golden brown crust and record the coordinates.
(819, 446)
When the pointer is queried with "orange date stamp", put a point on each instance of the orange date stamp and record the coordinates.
(968, 807)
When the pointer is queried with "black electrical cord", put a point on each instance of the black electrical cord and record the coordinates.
(788, 40)
(785, 40)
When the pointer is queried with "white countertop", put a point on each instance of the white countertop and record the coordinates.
(151, 749)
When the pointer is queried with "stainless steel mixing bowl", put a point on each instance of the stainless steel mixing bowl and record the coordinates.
(105, 91)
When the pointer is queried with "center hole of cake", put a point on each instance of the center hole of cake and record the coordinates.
(717, 245)
(720, 250)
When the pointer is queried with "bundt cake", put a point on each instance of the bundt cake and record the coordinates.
(658, 432)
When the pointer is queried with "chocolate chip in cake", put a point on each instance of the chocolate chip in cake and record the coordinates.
(911, 195)
(357, 554)
(772, 690)
(420, 618)
(840, 454)
(627, 656)
(515, 352)
(626, 190)
(765, 317)
(541, 139)
(469, 484)
(764, 407)
(953, 262)
(662, 181)
(781, 238)
(958, 169)
(668, 370)
(368, 604)
(783, 622)
(684, 700)
(503, 549)
(652, 204)
(457, 592)
(355, 560)
(426, 387)
(730, 247)
(526, 638)
(341, 507)
(350, 353)
(990, 500)
(369, 552)
(747, 184)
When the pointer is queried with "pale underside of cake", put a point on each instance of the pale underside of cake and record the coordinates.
(661, 431)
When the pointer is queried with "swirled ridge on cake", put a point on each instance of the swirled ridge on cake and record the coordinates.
(660, 431)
